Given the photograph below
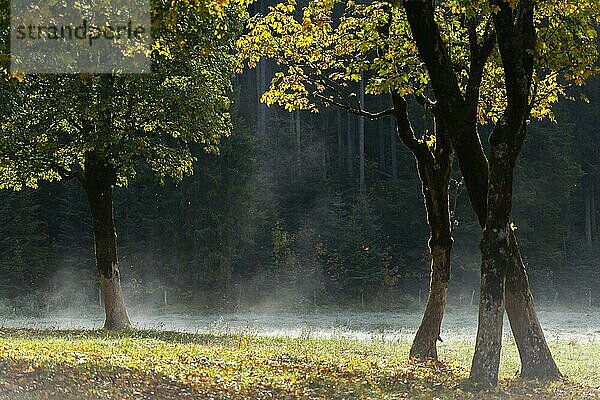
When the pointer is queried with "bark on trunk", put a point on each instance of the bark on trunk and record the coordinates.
(536, 360)
(116, 317)
(434, 165)
(516, 43)
(424, 344)
(495, 259)
(435, 175)
(486, 360)
(98, 183)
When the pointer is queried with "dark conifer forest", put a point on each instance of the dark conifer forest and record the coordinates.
(278, 217)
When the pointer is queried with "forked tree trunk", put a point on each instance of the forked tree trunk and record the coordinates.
(461, 119)
(435, 167)
(516, 43)
(536, 359)
(98, 183)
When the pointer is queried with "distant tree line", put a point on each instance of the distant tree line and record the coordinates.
(285, 196)
(250, 218)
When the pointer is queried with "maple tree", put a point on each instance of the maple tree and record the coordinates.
(101, 129)
(452, 58)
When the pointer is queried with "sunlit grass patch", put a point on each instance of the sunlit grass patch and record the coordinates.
(576, 359)
(88, 365)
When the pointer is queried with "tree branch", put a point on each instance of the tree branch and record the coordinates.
(357, 111)
(405, 132)
(66, 174)
(479, 54)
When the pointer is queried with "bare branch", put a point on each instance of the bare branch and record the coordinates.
(358, 111)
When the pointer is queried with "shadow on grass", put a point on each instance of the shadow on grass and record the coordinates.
(166, 336)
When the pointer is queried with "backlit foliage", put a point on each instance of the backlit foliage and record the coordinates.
(51, 121)
(323, 47)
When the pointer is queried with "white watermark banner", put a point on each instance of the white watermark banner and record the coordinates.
(80, 36)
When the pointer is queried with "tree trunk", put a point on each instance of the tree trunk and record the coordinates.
(381, 140)
(394, 149)
(516, 43)
(340, 141)
(434, 165)
(98, 183)
(460, 115)
(495, 260)
(536, 359)
(588, 216)
(486, 360)
(350, 142)
(424, 344)
(435, 175)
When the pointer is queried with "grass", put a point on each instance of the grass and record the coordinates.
(145, 364)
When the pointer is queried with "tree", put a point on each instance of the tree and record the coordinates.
(325, 56)
(448, 50)
(532, 67)
(99, 129)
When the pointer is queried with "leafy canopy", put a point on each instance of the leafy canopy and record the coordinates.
(324, 47)
(162, 119)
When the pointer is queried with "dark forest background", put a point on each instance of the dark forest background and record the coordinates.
(279, 219)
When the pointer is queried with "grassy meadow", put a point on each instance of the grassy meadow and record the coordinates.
(50, 364)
